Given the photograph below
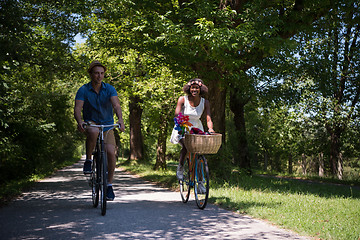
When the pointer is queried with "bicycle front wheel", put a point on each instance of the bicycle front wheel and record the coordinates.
(185, 183)
(94, 182)
(103, 185)
(201, 187)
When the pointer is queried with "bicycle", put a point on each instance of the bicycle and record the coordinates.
(196, 170)
(99, 173)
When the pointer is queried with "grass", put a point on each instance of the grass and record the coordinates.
(319, 210)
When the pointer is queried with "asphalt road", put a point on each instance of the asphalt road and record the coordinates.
(60, 207)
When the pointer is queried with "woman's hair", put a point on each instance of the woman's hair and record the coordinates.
(200, 83)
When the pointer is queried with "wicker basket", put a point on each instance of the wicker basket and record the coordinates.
(203, 144)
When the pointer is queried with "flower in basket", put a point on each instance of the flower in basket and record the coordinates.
(195, 130)
(182, 124)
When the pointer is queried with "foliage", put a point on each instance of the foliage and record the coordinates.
(315, 83)
(36, 127)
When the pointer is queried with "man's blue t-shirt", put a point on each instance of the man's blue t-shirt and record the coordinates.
(97, 107)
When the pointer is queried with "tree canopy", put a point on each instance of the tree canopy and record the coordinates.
(283, 77)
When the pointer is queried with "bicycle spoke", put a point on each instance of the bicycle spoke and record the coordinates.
(201, 187)
(185, 182)
(103, 182)
(94, 185)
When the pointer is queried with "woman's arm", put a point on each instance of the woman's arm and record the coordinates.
(208, 117)
(179, 105)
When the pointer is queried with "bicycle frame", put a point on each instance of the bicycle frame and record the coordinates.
(192, 164)
(101, 170)
(196, 176)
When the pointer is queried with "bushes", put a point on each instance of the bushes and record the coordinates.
(36, 131)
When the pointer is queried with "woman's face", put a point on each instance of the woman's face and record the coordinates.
(194, 90)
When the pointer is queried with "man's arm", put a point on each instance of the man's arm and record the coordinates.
(77, 114)
(117, 108)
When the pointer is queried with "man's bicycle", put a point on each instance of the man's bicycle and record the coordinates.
(196, 170)
(99, 175)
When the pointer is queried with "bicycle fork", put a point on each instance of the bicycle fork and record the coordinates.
(192, 161)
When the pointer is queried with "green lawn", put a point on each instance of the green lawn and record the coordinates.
(323, 211)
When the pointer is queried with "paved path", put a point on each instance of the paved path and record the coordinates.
(60, 207)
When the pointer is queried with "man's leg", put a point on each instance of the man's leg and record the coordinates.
(110, 149)
(110, 146)
(91, 137)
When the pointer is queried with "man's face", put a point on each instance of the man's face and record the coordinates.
(97, 74)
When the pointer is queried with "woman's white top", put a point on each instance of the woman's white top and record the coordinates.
(194, 114)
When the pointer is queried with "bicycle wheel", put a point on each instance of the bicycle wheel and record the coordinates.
(103, 182)
(185, 182)
(201, 187)
(94, 183)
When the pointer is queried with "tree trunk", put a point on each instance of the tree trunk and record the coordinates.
(161, 144)
(334, 150)
(241, 154)
(265, 161)
(216, 94)
(340, 167)
(290, 164)
(321, 164)
(136, 140)
(276, 163)
(217, 99)
(303, 164)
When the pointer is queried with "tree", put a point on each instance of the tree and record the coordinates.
(218, 40)
(330, 56)
(36, 127)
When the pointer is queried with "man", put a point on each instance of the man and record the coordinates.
(97, 102)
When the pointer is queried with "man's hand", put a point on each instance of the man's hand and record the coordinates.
(81, 126)
(122, 126)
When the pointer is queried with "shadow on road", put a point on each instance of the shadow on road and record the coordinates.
(60, 207)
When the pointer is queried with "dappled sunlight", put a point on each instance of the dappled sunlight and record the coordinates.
(60, 207)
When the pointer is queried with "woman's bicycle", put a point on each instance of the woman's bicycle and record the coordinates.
(196, 170)
(99, 175)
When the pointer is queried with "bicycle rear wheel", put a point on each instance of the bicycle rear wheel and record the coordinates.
(201, 187)
(94, 182)
(185, 182)
(103, 182)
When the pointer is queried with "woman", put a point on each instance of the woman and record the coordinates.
(192, 105)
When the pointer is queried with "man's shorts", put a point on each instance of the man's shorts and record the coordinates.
(109, 137)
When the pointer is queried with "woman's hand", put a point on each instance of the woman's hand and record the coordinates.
(210, 130)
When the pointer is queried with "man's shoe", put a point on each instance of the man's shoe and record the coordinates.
(110, 193)
(180, 172)
(87, 166)
(201, 188)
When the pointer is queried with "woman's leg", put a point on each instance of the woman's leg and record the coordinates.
(182, 152)
(180, 168)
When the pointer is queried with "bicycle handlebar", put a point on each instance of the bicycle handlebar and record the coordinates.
(101, 126)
